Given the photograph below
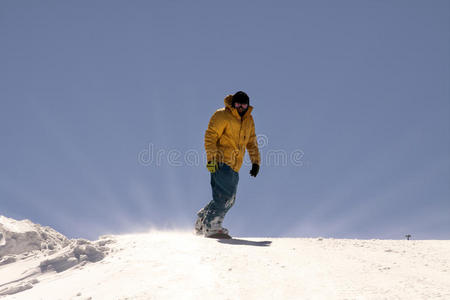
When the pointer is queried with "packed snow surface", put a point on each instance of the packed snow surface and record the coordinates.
(180, 265)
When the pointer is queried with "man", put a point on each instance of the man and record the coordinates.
(231, 130)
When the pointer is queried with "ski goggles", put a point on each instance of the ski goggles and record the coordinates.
(243, 105)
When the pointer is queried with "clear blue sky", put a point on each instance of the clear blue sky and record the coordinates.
(362, 88)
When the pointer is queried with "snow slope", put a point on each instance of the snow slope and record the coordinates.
(180, 265)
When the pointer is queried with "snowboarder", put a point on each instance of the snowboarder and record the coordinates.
(231, 130)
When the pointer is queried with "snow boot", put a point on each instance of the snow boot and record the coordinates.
(215, 229)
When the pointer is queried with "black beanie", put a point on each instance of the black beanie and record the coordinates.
(240, 97)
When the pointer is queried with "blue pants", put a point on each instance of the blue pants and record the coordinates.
(224, 185)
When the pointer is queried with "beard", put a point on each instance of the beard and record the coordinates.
(242, 111)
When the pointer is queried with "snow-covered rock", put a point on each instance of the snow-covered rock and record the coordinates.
(18, 237)
(29, 250)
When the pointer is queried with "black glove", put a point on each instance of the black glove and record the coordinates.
(254, 171)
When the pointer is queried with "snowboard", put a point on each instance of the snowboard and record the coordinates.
(219, 236)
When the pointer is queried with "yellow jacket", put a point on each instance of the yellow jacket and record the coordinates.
(228, 135)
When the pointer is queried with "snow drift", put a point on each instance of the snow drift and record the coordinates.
(180, 265)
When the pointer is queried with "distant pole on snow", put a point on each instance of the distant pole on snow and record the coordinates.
(408, 236)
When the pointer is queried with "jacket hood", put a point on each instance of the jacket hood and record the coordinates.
(227, 102)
